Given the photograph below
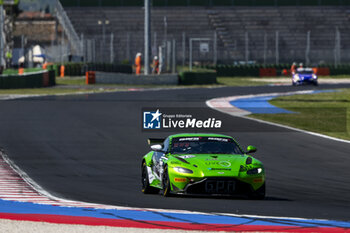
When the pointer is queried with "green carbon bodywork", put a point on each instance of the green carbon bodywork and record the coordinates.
(206, 165)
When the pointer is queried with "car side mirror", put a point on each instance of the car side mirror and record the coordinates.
(157, 147)
(251, 149)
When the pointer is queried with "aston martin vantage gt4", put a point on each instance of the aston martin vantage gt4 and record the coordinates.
(202, 164)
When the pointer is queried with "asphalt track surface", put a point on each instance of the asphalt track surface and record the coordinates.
(89, 148)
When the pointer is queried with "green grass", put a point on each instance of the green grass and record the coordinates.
(326, 113)
(70, 81)
(240, 81)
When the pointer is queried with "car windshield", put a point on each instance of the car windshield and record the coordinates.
(305, 71)
(204, 145)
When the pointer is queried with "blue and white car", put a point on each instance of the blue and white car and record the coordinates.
(304, 76)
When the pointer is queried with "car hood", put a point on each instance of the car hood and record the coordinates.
(213, 164)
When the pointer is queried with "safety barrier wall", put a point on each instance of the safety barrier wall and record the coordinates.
(119, 78)
(28, 80)
(160, 3)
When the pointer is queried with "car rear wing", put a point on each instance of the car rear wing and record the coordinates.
(152, 141)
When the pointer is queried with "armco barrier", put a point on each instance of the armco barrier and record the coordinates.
(28, 80)
(119, 78)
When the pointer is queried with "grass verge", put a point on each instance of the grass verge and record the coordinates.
(325, 113)
(70, 81)
(241, 81)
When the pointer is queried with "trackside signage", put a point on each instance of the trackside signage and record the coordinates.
(182, 119)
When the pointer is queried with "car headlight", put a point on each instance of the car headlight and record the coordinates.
(254, 171)
(314, 76)
(183, 170)
(296, 77)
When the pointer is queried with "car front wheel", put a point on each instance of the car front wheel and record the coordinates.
(258, 194)
(146, 188)
(166, 183)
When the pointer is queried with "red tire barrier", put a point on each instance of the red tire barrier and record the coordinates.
(90, 77)
(263, 72)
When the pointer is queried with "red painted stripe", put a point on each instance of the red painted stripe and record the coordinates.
(63, 219)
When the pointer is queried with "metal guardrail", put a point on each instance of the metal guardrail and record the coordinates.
(68, 28)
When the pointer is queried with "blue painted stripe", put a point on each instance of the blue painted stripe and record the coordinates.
(260, 104)
(143, 215)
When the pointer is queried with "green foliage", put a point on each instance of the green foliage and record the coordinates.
(339, 70)
(79, 69)
(126, 62)
(235, 70)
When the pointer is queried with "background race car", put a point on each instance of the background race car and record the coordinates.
(304, 76)
(202, 164)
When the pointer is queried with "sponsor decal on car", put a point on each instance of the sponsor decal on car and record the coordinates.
(219, 169)
(259, 180)
(187, 156)
(151, 177)
(188, 139)
(221, 163)
(225, 163)
(180, 179)
(219, 139)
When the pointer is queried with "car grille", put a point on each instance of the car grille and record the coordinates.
(223, 186)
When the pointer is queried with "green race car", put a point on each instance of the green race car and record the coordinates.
(202, 164)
